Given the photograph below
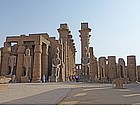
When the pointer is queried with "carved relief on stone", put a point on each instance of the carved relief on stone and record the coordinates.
(12, 63)
(85, 59)
(56, 62)
(27, 61)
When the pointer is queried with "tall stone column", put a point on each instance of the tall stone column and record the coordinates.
(70, 53)
(5, 59)
(37, 64)
(96, 69)
(131, 68)
(63, 34)
(45, 60)
(112, 68)
(102, 70)
(138, 69)
(102, 67)
(121, 68)
(84, 35)
(0, 61)
(62, 68)
(74, 63)
(92, 65)
(73, 50)
(19, 69)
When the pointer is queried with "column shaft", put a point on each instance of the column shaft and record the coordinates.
(20, 59)
(37, 64)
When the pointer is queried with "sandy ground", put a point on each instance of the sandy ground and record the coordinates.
(68, 93)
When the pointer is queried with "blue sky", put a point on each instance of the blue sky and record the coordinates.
(115, 24)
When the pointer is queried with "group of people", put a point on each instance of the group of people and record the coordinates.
(74, 78)
(71, 78)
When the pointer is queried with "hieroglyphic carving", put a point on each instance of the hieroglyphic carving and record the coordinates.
(27, 61)
(56, 62)
(12, 63)
(85, 61)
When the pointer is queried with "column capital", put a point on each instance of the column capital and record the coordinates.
(21, 49)
(38, 48)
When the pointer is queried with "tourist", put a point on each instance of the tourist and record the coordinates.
(77, 78)
(43, 78)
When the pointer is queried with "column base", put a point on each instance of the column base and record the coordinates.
(36, 81)
(25, 79)
(53, 79)
(104, 80)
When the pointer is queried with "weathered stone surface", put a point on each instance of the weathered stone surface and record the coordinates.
(112, 68)
(131, 68)
(138, 69)
(121, 68)
(84, 35)
(68, 52)
(102, 70)
(56, 63)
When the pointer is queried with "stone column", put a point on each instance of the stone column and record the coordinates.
(63, 33)
(112, 69)
(121, 68)
(102, 70)
(73, 50)
(5, 59)
(37, 64)
(131, 68)
(78, 70)
(138, 69)
(20, 59)
(0, 61)
(45, 60)
(92, 66)
(84, 35)
(96, 69)
(70, 47)
(74, 63)
(102, 67)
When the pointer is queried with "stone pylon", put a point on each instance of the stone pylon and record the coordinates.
(84, 35)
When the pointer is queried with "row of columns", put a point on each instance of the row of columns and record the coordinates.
(68, 51)
(40, 60)
(108, 68)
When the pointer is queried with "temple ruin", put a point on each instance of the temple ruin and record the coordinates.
(41, 58)
(30, 58)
